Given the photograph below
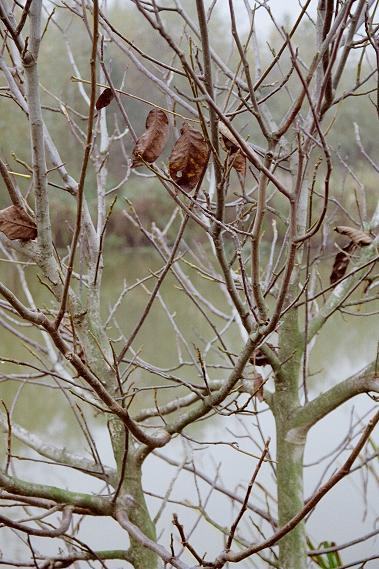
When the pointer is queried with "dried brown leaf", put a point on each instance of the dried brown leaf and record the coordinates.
(368, 282)
(356, 235)
(188, 158)
(151, 143)
(258, 386)
(229, 140)
(259, 359)
(16, 223)
(239, 163)
(341, 262)
(230, 143)
(104, 99)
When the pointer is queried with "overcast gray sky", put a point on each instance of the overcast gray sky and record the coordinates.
(279, 8)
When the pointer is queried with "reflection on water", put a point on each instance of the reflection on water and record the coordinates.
(345, 345)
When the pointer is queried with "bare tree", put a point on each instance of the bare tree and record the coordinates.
(253, 203)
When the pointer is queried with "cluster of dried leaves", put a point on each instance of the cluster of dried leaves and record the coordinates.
(190, 154)
(358, 238)
(187, 163)
(188, 158)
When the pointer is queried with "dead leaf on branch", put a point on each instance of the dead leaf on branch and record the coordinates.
(258, 386)
(368, 282)
(104, 99)
(356, 235)
(230, 143)
(151, 143)
(259, 359)
(16, 223)
(239, 163)
(341, 262)
(188, 158)
(358, 239)
(228, 138)
(254, 386)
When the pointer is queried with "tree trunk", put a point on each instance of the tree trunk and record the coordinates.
(131, 470)
(290, 444)
(289, 469)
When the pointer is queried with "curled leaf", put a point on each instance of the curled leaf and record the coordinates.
(150, 145)
(104, 99)
(341, 262)
(342, 259)
(16, 223)
(368, 282)
(357, 236)
(230, 143)
(239, 163)
(229, 140)
(258, 386)
(259, 359)
(188, 158)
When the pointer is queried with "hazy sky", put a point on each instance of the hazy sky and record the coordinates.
(279, 8)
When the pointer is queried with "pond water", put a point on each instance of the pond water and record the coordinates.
(345, 345)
